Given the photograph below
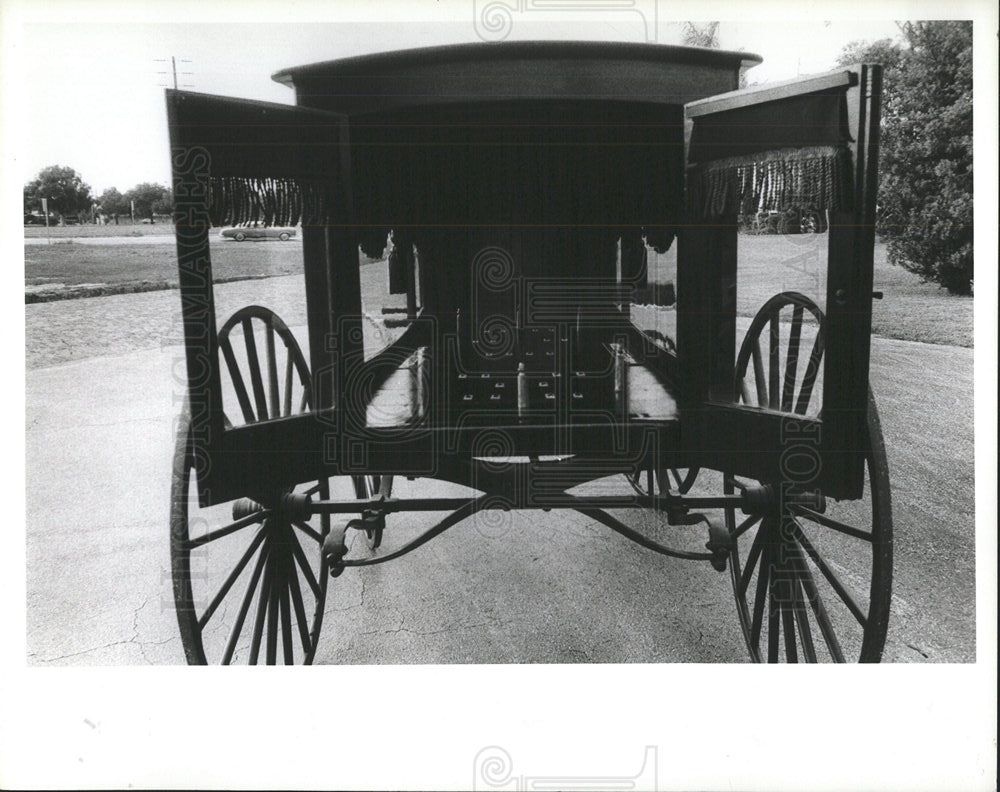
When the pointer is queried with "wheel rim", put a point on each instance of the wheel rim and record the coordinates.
(810, 584)
(239, 237)
(246, 590)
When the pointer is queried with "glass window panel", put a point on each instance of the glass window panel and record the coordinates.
(781, 276)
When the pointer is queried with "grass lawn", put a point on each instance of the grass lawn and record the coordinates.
(123, 229)
(71, 264)
(915, 311)
(910, 310)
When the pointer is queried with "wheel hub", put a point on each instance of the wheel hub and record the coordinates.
(771, 500)
(288, 506)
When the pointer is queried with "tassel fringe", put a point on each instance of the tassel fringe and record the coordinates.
(272, 201)
(818, 177)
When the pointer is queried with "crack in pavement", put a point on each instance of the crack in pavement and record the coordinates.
(124, 422)
(453, 628)
(917, 649)
(401, 628)
(134, 640)
(359, 604)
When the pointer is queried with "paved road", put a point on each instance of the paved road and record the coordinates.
(99, 440)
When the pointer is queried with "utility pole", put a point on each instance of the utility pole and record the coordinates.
(173, 71)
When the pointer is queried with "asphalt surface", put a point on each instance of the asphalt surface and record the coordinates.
(522, 589)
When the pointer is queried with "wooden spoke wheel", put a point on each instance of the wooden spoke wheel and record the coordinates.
(249, 586)
(249, 581)
(812, 582)
(785, 377)
(815, 584)
(365, 488)
(275, 387)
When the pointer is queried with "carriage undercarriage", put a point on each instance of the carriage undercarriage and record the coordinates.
(745, 526)
(521, 388)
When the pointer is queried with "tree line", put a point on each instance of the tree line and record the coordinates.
(925, 169)
(70, 197)
(925, 166)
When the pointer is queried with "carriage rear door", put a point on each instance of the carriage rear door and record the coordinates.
(775, 278)
(258, 411)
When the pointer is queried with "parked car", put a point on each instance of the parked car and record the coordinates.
(257, 232)
(810, 221)
(793, 220)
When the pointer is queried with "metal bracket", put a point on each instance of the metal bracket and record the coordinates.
(335, 547)
(719, 544)
(681, 515)
(370, 521)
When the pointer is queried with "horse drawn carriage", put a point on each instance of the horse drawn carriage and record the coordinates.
(533, 192)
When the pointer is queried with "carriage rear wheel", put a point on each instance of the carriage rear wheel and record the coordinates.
(365, 488)
(812, 582)
(249, 580)
(249, 587)
(678, 481)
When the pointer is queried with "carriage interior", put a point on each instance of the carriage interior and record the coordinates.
(512, 263)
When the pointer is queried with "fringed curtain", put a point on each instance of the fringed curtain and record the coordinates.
(263, 163)
(236, 200)
(771, 156)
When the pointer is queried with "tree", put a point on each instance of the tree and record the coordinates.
(885, 51)
(706, 34)
(113, 202)
(925, 191)
(700, 34)
(65, 190)
(165, 204)
(146, 196)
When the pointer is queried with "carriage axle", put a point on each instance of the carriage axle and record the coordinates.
(754, 500)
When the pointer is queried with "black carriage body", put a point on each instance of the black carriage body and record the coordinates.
(518, 181)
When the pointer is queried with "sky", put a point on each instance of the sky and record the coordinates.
(91, 89)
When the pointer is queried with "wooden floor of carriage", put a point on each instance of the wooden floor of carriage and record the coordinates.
(527, 588)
